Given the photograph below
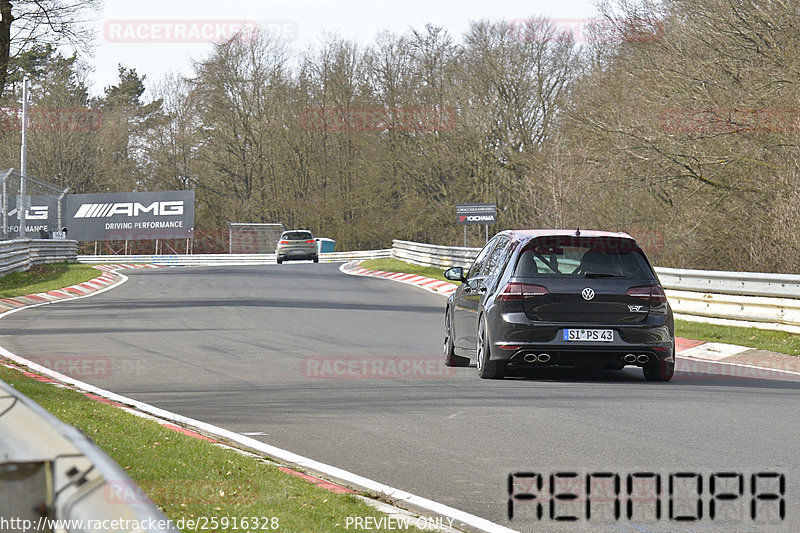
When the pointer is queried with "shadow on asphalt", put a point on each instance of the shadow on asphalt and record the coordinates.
(261, 302)
(748, 378)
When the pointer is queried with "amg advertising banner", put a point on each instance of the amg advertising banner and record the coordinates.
(476, 214)
(132, 216)
(42, 214)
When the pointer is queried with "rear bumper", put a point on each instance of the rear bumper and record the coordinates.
(513, 337)
(299, 255)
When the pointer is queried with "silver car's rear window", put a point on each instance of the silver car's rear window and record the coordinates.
(296, 236)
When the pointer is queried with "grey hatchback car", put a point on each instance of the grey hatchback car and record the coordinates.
(296, 244)
(534, 298)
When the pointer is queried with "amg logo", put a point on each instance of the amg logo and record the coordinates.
(36, 212)
(129, 209)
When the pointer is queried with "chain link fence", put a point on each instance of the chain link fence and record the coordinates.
(40, 204)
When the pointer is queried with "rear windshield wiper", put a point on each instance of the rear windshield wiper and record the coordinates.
(602, 275)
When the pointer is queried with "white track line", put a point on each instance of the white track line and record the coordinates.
(386, 492)
(391, 494)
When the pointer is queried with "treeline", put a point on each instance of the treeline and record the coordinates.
(674, 120)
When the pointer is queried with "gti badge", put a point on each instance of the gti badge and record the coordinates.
(587, 293)
(637, 309)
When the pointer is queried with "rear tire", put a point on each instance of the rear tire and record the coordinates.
(280, 260)
(316, 259)
(487, 369)
(659, 371)
(450, 357)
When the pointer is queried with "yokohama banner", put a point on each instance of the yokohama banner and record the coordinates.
(130, 216)
(467, 214)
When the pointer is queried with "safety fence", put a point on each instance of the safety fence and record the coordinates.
(21, 254)
(225, 259)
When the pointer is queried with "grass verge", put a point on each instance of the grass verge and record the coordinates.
(774, 341)
(44, 278)
(395, 265)
(189, 478)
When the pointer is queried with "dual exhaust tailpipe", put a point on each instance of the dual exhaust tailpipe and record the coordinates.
(632, 359)
(534, 358)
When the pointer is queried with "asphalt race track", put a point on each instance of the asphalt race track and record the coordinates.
(282, 350)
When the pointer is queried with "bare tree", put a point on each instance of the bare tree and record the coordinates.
(56, 22)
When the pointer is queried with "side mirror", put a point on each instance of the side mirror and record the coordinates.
(455, 274)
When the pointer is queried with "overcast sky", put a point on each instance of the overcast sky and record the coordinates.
(141, 34)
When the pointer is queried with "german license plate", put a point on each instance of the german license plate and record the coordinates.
(590, 335)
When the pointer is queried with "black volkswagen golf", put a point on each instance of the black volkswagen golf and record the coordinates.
(560, 297)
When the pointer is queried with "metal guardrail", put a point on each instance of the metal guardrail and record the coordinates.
(51, 471)
(722, 282)
(433, 255)
(741, 296)
(20, 254)
(224, 259)
(14, 255)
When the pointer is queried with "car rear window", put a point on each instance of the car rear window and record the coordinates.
(297, 236)
(583, 257)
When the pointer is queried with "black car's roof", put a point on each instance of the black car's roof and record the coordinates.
(535, 233)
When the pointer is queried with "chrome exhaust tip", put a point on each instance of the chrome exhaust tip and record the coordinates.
(630, 358)
(529, 357)
(544, 357)
(643, 358)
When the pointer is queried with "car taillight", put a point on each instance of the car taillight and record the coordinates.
(284, 242)
(310, 242)
(652, 293)
(521, 291)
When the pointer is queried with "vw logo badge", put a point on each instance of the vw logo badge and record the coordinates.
(587, 293)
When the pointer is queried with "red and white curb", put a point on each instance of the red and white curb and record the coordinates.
(109, 278)
(709, 351)
(429, 284)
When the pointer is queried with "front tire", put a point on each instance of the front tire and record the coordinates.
(487, 369)
(450, 357)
